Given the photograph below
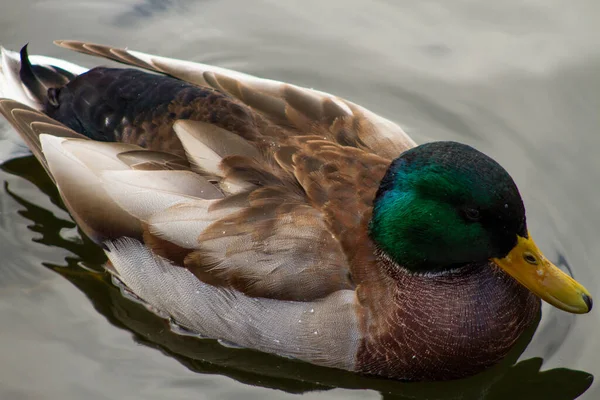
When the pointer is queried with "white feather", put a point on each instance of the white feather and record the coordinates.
(145, 198)
(57, 62)
(199, 153)
(184, 223)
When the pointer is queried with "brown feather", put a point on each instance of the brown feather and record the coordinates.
(164, 248)
(270, 101)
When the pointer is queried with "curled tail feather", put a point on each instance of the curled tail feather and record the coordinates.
(27, 79)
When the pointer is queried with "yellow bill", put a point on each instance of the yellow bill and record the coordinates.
(527, 264)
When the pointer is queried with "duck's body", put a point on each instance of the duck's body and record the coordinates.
(244, 209)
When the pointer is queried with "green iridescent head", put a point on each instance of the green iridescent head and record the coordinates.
(444, 204)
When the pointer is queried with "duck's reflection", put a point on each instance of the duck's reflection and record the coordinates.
(507, 380)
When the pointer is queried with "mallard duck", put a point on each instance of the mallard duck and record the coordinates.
(285, 219)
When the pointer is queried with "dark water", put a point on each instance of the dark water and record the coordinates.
(519, 80)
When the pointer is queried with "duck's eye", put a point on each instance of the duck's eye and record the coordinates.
(472, 214)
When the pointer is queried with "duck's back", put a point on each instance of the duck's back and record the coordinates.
(120, 105)
(132, 106)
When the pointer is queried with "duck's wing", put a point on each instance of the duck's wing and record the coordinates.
(91, 207)
(219, 237)
(236, 220)
(297, 190)
(307, 110)
(122, 195)
(30, 123)
(257, 242)
(290, 223)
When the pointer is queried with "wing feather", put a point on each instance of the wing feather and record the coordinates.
(84, 196)
(278, 100)
(30, 124)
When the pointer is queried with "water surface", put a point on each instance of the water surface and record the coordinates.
(519, 80)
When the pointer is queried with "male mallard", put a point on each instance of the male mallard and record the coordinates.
(285, 219)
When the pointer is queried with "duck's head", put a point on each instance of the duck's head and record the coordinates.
(444, 205)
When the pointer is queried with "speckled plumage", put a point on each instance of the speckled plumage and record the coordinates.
(447, 326)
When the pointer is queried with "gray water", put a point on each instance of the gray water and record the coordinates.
(518, 79)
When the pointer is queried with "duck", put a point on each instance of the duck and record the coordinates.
(285, 219)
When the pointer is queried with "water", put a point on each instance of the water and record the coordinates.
(519, 80)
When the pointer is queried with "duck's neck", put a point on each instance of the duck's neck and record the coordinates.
(445, 325)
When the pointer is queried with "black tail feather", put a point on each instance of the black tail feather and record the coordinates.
(42, 80)
(30, 79)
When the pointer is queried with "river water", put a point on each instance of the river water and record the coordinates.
(519, 80)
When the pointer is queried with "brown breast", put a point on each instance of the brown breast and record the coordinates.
(439, 327)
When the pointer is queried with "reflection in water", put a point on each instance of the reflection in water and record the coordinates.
(84, 270)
